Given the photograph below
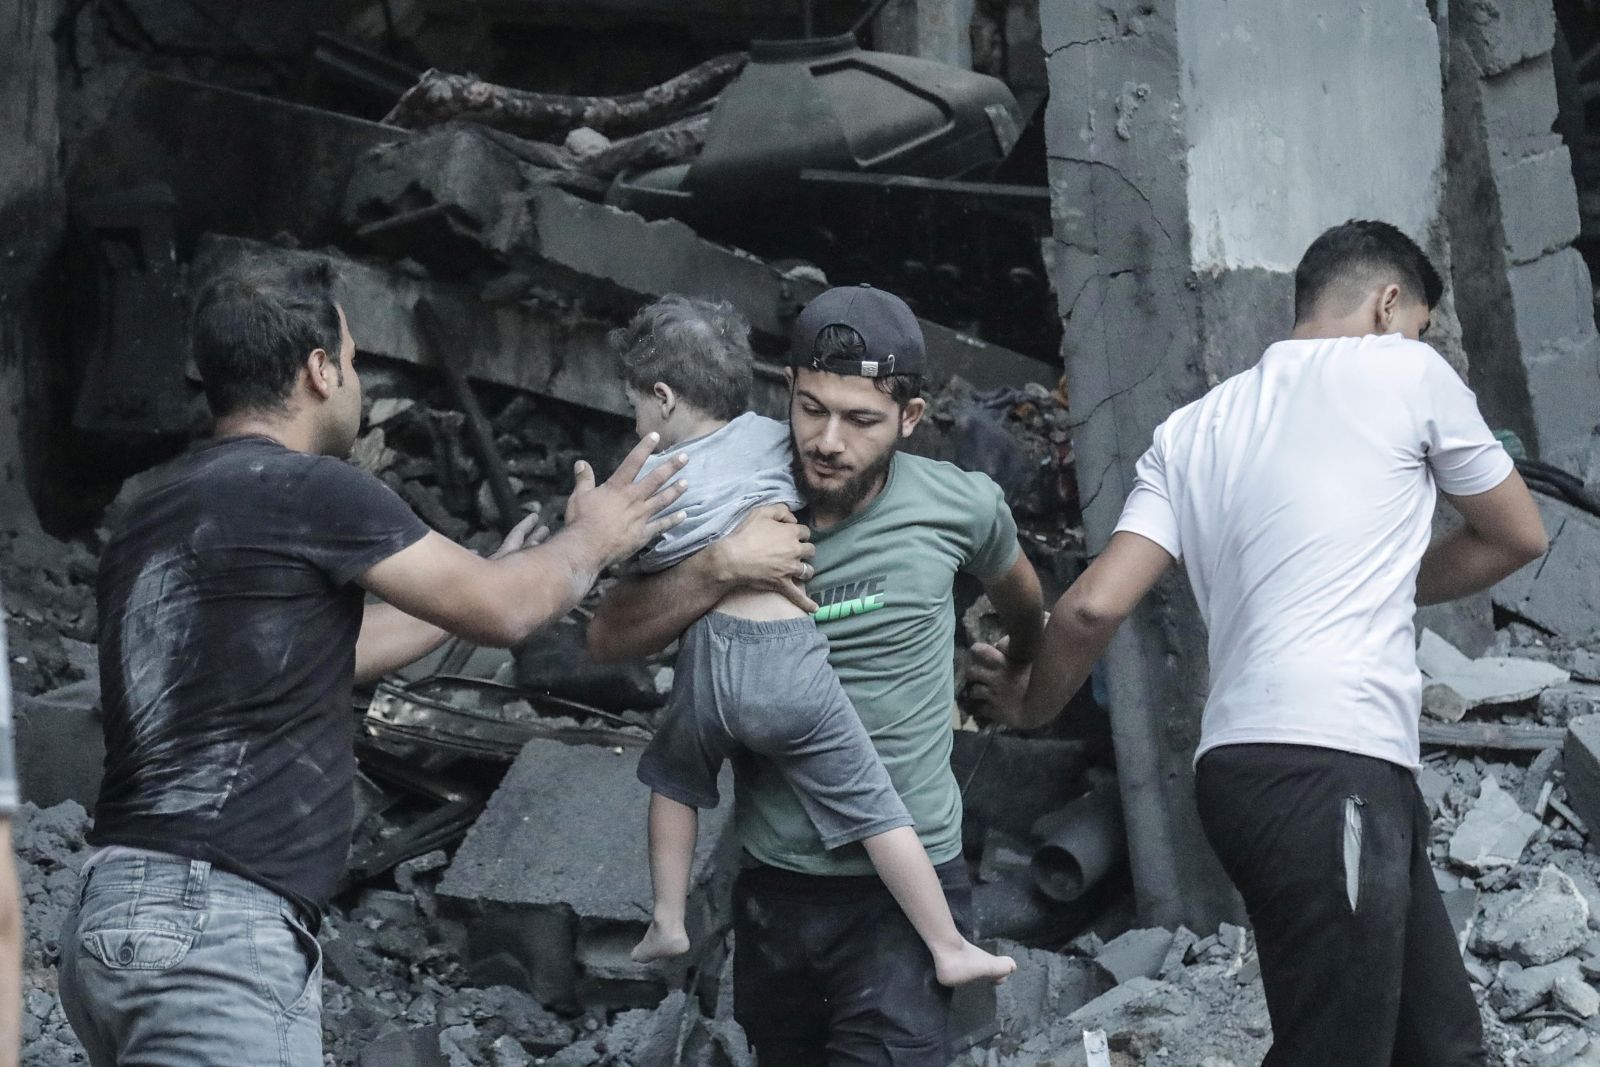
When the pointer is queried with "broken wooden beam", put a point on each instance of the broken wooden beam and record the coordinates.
(1491, 736)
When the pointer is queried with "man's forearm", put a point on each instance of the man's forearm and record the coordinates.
(1462, 563)
(390, 639)
(1071, 646)
(643, 614)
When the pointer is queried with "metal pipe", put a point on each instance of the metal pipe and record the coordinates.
(1083, 842)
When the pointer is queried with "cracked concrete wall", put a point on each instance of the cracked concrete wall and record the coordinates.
(31, 210)
(1120, 263)
(1525, 295)
(1196, 147)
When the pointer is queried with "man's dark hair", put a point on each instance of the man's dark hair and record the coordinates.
(701, 348)
(1348, 260)
(254, 328)
(843, 342)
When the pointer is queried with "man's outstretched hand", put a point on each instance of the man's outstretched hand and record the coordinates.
(618, 516)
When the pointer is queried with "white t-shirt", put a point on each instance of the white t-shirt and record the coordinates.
(1299, 496)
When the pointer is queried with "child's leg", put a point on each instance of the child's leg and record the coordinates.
(672, 832)
(903, 865)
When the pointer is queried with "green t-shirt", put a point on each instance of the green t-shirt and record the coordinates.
(883, 584)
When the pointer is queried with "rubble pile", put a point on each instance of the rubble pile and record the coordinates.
(50, 610)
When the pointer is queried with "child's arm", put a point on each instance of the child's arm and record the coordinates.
(1081, 626)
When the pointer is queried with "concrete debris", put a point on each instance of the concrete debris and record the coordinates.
(1581, 757)
(1556, 1047)
(1520, 989)
(1559, 592)
(557, 920)
(1560, 704)
(1575, 995)
(1494, 833)
(1490, 680)
(1538, 926)
(1136, 954)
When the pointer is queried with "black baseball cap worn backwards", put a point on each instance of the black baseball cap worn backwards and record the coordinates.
(890, 330)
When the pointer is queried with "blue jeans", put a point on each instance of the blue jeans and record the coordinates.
(170, 962)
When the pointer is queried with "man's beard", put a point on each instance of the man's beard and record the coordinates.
(842, 499)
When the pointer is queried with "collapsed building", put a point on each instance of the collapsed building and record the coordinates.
(1094, 208)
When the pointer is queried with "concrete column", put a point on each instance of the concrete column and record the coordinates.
(1196, 148)
(929, 29)
(30, 217)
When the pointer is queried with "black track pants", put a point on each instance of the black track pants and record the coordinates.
(1330, 851)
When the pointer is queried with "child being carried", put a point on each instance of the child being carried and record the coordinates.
(753, 673)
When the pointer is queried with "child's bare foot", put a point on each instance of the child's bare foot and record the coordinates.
(660, 944)
(970, 963)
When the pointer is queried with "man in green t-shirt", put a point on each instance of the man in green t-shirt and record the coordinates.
(826, 966)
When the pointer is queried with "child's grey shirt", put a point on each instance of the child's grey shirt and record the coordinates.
(744, 465)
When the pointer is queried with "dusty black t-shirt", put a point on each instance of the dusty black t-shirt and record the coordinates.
(228, 625)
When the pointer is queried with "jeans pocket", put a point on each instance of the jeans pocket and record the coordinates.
(137, 935)
(288, 962)
(137, 949)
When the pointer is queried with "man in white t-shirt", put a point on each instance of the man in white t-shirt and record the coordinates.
(1299, 496)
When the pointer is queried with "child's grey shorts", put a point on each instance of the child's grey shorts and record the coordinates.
(767, 687)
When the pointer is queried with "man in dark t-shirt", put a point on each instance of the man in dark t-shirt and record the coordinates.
(232, 628)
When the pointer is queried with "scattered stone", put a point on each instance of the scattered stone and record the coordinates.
(1178, 954)
(1520, 989)
(1560, 704)
(1556, 1046)
(1494, 833)
(1434, 786)
(1575, 995)
(1136, 954)
(1538, 926)
(1441, 702)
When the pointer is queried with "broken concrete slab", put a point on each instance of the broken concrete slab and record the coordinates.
(1044, 987)
(1537, 926)
(1494, 832)
(1580, 755)
(60, 744)
(1489, 680)
(1136, 954)
(554, 884)
(548, 352)
(638, 259)
(1559, 592)
(474, 196)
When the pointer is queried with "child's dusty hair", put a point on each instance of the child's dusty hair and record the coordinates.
(701, 348)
